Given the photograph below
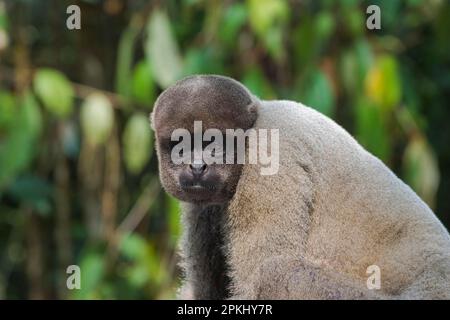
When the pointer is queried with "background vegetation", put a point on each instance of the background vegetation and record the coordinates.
(78, 175)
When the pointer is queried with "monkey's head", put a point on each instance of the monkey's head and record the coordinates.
(219, 103)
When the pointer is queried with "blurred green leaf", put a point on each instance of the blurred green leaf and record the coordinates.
(441, 25)
(348, 4)
(205, 60)
(31, 115)
(354, 66)
(55, 91)
(348, 69)
(234, 18)
(263, 14)
(133, 246)
(162, 50)
(389, 11)
(18, 146)
(355, 21)
(318, 93)
(173, 207)
(138, 143)
(125, 60)
(306, 44)
(97, 118)
(143, 85)
(3, 18)
(267, 18)
(7, 109)
(257, 83)
(325, 24)
(364, 57)
(383, 84)
(421, 170)
(33, 192)
(311, 36)
(92, 268)
(145, 264)
(371, 130)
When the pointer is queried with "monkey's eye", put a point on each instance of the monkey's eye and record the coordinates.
(171, 144)
(206, 143)
(217, 151)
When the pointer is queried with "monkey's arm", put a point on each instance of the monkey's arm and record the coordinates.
(283, 278)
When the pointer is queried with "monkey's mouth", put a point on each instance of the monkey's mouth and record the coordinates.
(199, 191)
(198, 186)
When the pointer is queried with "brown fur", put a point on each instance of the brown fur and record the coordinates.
(310, 231)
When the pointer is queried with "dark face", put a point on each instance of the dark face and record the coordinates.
(198, 182)
(220, 104)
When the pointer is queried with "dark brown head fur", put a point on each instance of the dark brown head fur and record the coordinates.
(219, 102)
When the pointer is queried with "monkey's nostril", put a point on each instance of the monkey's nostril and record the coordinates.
(198, 169)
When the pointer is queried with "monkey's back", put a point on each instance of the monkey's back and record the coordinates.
(347, 211)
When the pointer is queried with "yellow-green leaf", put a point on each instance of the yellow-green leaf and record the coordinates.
(383, 85)
(97, 118)
(143, 87)
(372, 131)
(421, 169)
(267, 18)
(162, 50)
(137, 140)
(173, 209)
(55, 92)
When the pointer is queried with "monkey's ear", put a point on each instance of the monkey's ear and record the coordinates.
(253, 107)
(152, 120)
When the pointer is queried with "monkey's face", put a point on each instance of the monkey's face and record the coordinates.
(200, 182)
(193, 168)
(218, 103)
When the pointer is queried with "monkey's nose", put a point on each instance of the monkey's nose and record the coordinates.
(198, 169)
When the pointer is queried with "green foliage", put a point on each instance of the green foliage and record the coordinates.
(255, 80)
(268, 19)
(7, 109)
(78, 172)
(143, 263)
(97, 118)
(162, 50)
(318, 93)
(143, 86)
(421, 169)
(33, 192)
(354, 66)
(125, 60)
(173, 210)
(3, 19)
(233, 20)
(137, 142)
(202, 61)
(20, 127)
(371, 129)
(55, 91)
(383, 84)
(92, 266)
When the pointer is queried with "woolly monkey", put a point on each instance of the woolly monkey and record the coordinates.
(313, 230)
